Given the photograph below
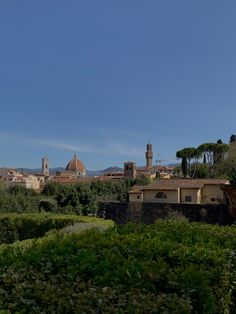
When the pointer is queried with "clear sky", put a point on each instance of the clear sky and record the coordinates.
(102, 78)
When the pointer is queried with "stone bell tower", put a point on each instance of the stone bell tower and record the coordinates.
(45, 166)
(149, 156)
(130, 170)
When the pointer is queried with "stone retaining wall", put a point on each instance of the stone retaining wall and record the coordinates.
(147, 213)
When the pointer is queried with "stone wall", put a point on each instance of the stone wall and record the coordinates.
(147, 213)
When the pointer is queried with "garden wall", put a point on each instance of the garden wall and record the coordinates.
(147, 213)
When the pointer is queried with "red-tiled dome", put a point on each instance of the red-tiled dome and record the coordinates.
(76, 165)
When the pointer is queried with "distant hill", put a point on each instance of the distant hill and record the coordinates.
(54, 170)
(102, 172)
(39, 170)
(90, 173)
(113, 169)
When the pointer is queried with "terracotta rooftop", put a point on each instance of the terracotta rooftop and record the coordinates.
(136, 189)
(163, 168)
(175, 184)
(144, 168)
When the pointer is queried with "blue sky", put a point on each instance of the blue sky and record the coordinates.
(102, 78)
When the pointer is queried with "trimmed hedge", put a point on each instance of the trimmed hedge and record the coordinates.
(169, 267)
(25, 226)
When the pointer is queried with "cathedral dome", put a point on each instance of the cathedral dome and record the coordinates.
(76, 165)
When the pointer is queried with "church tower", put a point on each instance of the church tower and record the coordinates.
(130, 170)
(45, 166)
(149, 156)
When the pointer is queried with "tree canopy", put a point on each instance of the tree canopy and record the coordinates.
(210, 154)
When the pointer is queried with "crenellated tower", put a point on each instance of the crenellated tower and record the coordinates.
(149, 156)
(45, 166)
(130, 170)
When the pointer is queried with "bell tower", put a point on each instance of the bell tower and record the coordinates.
(149, 156)
(130, 170)
(45, 166)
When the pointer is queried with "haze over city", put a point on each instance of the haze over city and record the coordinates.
(102, 78)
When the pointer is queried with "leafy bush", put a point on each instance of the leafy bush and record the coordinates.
(81, 198)
(11, 202)
(169, 267)
(25, 226)
(48, 205)
(21, 190)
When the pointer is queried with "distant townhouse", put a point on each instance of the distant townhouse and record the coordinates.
(189, 191)
(13, 177)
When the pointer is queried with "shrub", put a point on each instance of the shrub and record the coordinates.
(25, 226)
(48, 205)
(169, 267)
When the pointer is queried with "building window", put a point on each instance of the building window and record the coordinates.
(138, 197)
(160, 195)
(213, 199)
(188, 198)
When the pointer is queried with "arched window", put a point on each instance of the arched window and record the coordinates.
(160, 195)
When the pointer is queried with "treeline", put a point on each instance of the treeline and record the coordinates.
(84, 198)
(18, 199)
(208, 160)
(80, 198)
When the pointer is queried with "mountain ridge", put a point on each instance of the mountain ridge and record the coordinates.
(57, 169)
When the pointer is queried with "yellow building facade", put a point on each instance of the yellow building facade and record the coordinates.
(179, 191)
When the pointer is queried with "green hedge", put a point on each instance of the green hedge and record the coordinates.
(169, 267)
(25, 226)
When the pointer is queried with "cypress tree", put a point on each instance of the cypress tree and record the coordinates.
(184, 166)
(204, 159)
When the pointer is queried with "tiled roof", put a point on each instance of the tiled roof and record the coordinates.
(163, 168)
(70, 180)
(175, 184)
(144, 168)
(136, 189)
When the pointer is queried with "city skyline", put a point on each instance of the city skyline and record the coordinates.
(103, 79)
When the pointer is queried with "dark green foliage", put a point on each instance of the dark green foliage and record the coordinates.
(80, 198)
(50, 189)
(142, 180)
(201, 171)
(232, 138)
(213, 156)
(226, 170)
(18, 199)
(189, 156)
(232, 176)
(169, 267)
(184, 166)
(178, 171)
(230, 171)
(25, 226)
(20, 190)
(48, 205)
(84, 198)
